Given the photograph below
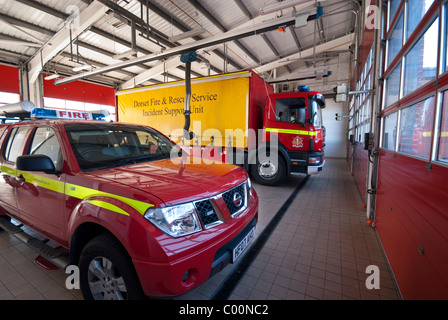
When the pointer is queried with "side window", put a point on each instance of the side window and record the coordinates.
(290, 110)
(45, 142)
(15, 144)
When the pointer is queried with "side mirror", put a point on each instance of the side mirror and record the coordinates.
(35, 162)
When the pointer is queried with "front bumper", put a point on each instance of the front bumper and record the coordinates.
(177, 277)
(315, 169)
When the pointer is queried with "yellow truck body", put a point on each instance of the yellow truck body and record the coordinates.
(219, 109)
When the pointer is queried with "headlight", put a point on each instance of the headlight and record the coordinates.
(249, 187)
(175, 221)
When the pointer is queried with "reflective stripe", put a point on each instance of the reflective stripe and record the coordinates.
(78, 192)
(107, 206)
(290, 131)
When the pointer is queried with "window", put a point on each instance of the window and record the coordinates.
(421, 62)
(392, 87)
(290, 110)
(445, 32)
(46, 142)
(443, 136)
(389, 131)
(393, 8)
(6, 98)
(395, 41)
(416, 9)
(416, 123)
(16, 143)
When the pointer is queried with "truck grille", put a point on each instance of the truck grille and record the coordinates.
(235, 200)
(206, 212)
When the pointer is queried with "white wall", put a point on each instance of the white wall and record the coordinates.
(336, 130)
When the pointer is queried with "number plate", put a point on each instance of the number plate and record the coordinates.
(238, 250)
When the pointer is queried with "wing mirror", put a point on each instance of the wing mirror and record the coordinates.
(35, 162)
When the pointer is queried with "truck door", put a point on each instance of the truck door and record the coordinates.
(290, 116)
(13, 147)
(40, 196)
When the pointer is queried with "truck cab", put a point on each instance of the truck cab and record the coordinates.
(295, 119)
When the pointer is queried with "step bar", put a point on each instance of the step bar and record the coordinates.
(53, 255)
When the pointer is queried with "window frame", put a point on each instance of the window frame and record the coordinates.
(58, 164)
(399, 128)
(7, 150)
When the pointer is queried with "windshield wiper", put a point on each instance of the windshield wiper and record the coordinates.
(135, 160)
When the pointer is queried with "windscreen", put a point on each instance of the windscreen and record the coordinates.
(100, 146)
(316, 105)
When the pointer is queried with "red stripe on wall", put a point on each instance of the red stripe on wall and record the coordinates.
(80, 91)
(9, 79)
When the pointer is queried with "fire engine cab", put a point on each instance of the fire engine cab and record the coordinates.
(122, 202)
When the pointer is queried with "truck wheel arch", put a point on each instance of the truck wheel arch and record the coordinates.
(83, 234)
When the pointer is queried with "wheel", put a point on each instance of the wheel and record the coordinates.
(107, 272)
(269, 172)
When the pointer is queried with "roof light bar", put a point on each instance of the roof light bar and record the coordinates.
(41, 113)
(303, 88)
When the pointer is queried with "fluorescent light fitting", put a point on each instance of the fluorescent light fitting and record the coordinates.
(189, 34)
(82, 67)
(52, 76)
(280, 6)
(126, 54)
(314, 69)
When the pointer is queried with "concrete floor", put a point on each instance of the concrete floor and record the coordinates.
(319, 250)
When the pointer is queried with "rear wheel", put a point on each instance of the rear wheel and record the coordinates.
(107, 272)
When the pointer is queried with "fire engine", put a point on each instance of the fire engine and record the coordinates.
(236, 118)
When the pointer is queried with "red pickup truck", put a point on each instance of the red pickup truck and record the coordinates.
(124, 204)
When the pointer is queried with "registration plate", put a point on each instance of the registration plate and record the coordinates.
(238, 250)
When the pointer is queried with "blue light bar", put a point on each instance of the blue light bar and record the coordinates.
(41, 113)
(303, 88)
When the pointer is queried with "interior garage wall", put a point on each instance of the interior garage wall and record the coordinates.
(335, 138)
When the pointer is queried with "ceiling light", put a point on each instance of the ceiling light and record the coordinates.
(285, 4)
(82, 67)
(126, 54)
(189, 34)
(280, 6)
(52, 76)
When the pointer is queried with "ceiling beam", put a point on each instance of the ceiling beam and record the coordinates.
(204, 43)
(62, 38)
(341, 43)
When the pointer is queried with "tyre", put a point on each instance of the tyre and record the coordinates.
(269, 172)
(107, 272)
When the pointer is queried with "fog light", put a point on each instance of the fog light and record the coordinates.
(186, 276)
